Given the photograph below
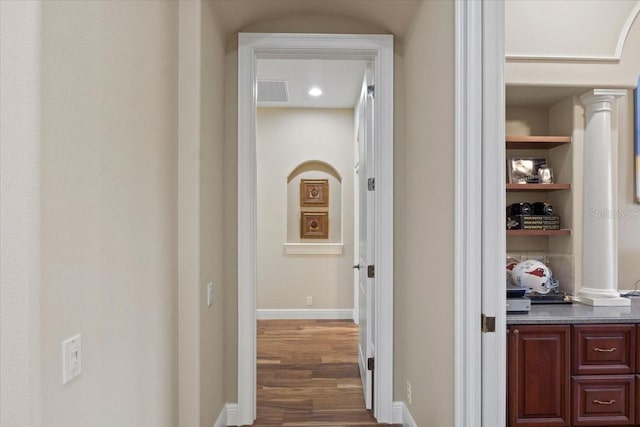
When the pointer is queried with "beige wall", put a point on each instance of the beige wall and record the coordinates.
(108, 223)
(565, 27)
(201, 142)
(573, 73)
(286, 138)
(20, 142)
(424, 219)
(629, 217)
(212, 249)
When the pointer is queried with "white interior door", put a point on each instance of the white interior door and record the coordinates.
(366, 302)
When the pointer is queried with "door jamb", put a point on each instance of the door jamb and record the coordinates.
(480, 377)
(378, 48)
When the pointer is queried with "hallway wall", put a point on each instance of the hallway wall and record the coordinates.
(108, 225)
(286, 138)
(424, 214)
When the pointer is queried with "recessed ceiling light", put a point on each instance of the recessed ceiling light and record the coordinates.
(315, 91)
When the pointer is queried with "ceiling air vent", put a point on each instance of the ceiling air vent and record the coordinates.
(273, 91)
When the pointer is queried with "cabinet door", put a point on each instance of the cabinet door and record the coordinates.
(539, 380)
(638, 351)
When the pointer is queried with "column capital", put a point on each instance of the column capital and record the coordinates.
(602, 95)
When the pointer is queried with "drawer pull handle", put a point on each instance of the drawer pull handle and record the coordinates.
(600, 402)
(605, 350)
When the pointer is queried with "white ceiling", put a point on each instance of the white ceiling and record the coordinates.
(339, 80)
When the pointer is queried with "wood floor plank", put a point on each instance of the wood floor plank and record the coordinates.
(308, 374)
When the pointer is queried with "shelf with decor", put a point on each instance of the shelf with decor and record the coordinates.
(561, 232)
(538, 143)
(537, 187)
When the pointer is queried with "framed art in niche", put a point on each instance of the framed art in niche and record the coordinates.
(314, 193)
(314, 225)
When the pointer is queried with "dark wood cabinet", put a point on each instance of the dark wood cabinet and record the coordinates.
(539, 375)
(638, 393)
(573, 375)
(638, 351)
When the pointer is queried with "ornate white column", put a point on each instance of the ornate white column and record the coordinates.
(600, 272)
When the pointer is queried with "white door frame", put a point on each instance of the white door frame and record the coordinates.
(480, 377)
(379, 49)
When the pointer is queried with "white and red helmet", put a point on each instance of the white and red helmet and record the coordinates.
(534, 276)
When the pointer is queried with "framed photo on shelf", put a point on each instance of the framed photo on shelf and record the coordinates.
(527, 170)
(314, 193)
(314, 225)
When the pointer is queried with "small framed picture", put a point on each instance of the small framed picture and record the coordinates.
(545, 175)
(314, 193)
(525, 170)
(314, 225)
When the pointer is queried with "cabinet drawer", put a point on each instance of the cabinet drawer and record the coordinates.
(604, 349)
(600, 400)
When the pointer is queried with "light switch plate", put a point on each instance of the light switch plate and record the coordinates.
(71, 358)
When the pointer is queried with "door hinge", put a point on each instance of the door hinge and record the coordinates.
(371, 271)
(371, 184)
(371, 364)
(488, 323)
(371, 91)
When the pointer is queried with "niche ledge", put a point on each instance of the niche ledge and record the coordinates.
(313, 248)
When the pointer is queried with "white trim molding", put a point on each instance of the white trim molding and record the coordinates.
(378, 49)
(402, 415)
(228, 416)
(313, 248)
(304, 314)
(468, 195)
(494, 344)
(480, 379)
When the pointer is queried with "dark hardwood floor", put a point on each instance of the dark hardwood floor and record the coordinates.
(308, 374)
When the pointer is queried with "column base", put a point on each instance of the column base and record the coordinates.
(600, 298)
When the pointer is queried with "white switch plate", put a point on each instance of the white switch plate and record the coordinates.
(209, 294)
(71, 358)
(309, 301)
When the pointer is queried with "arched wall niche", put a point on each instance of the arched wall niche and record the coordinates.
(314, 170)
(314, 165)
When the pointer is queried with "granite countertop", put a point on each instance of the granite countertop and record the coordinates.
(576, 313)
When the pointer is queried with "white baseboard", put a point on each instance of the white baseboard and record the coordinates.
(228, 416)
(401, 415)
(300, 314)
